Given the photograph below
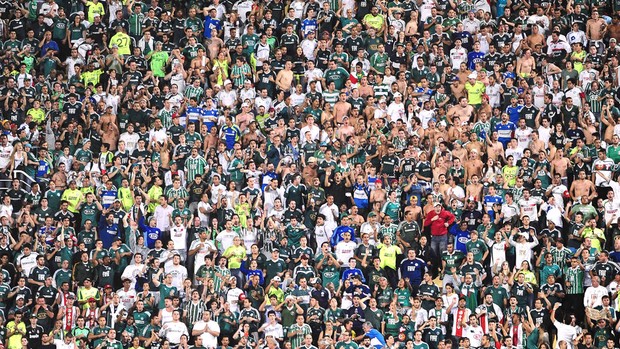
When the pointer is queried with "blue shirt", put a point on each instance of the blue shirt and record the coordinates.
(211, 113)
(150, 234)
(473, 58)
(308, 25)
(489, 200)
(513, 113)
(337, 236)
(231, 135)
(376, 339)
(505, 131)
(211, 23)
(413, 269)
(194, 114)
(107, 232)
(460, 238)
(52, 45)
(361, 195)
(42, 169)
(351, 272)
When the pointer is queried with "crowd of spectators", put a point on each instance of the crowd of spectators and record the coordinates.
(309, 174)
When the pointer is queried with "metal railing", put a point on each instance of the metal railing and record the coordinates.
(25, 180)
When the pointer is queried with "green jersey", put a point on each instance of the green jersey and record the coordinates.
(339, 76)
(346, 345)
(392, 324)
(574, 280)
(195, 166)
(135, 24)
(159, 59)
(89, 211)
(478, 248)
(301, 332)
(453, 260)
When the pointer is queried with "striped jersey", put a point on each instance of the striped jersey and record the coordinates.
(574, 280)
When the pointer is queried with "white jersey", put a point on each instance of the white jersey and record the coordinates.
(544, 134)
(539, 95)
(179, 273)
(529, 208)
(524, 137)
(523, 251)
(178, 234)
(208, 340)
(173, 331)
(493, 91)
(345, 251)
(5, 155)
(498, 251)
(458, 56)
(28, 263)
(128, 298)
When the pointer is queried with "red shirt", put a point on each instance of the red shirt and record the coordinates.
(438, 226)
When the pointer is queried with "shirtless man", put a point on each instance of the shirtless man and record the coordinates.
(582, 187)
(457, 89)
(495, 149)
(345, 130)
(201, 63)
(560, 164)
(284, 79)
(365, 89)
(463, 111)
(474, 189)
(536, 38)
(614, 28)
(413, 207)
(107, 118)
(595, 27)
(243, 119)
(110, 134)
(369, 109)
(526, 64)
(214, 44)
(252, 134)
(474, 143)
(473, 166)
(341, 108)
(536, 144)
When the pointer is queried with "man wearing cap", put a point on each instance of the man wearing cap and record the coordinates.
(34, 332)
(87, 292)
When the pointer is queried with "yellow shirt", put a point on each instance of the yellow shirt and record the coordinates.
(154, 193)
(91, 77)
(474, 92)
(94, 9)
(15, 341)
(73, 197)
(38, 115)
(123, 41)
(374, 21)
(84, 295)
(235, 255)
(387, 255)
(596, 235)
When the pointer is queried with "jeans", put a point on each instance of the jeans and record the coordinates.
(439, 243)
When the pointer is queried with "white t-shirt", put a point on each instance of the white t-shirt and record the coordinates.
(178, 234)
(565, 333)
(179, 273)
(173, 331)
(208, 340)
